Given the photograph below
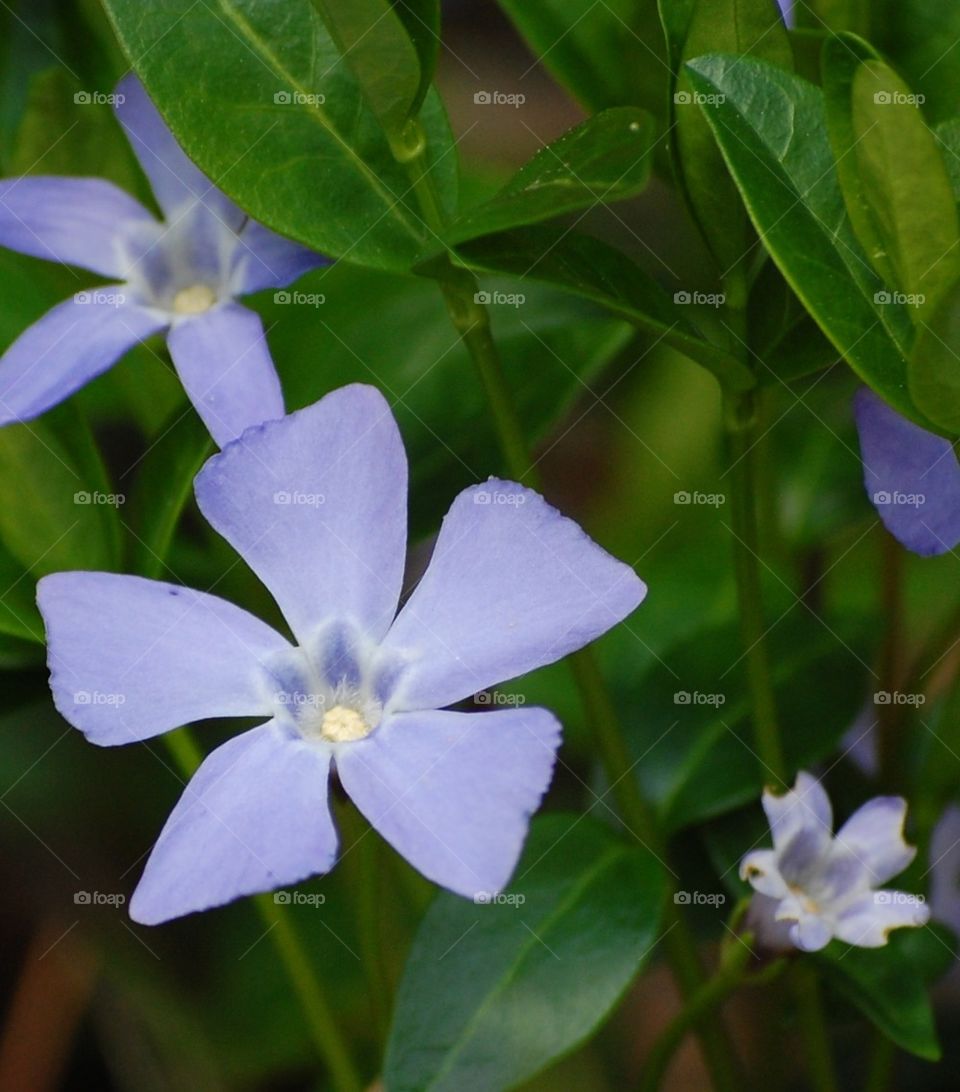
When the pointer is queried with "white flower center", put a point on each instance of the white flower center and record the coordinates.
(194, 300)
(341, 724)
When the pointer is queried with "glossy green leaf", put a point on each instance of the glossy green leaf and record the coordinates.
(891, 985)
(607, 54)
(771, 126)
(753, 27)
(598, 272)
(785, 343)
(257, 93)
(421, 18)
(905, 186)
(493, 993)
(605, 159)
(934, 370)
(375, 44)
(948, 137)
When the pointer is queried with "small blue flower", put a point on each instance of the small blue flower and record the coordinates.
(316, 506)
(912, 477)
(179, 275)
(817, 886)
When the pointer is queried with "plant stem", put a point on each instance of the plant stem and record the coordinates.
(810, 1011)
(316, 1009)
(741, 425)
(881, 1064)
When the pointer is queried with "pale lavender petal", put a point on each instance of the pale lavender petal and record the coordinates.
(761, 870)
(316, 505)
(253, 817)
(874, 836)
(76, 221)
(130, 658)
(176, 181)
(912, 477)
(811, 933)
(70, 345)
(786, 7)
(453, 792)
(804, 807)
(225, 366)
(769, 934)
(265, 259)
(868, 921)
(512, 585)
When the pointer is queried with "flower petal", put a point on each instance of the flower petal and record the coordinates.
(874, 836)
(811, 933)
(76, 221)
(453, 792)
(316, 506)
(912, 477)
(512, 585)
(868, 920)
(175, 179)
(253, 817)
(804, 807)
(265, 259)
(225, 366)
(66, 348)
(761, 870)
(130, 658)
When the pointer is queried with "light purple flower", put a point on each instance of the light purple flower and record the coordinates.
(179, 275)
(316, 506)
(824, 886)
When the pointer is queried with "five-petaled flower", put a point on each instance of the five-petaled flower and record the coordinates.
(178, 275)
(510, 587)
(912, 477)
(824, 886)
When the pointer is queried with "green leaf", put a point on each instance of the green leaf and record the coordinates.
(491, 994)
(606, 158)
(934, 369)
(905, 185)
(259, 96)
(595, 271)
(891, 985)
(948, 136)
(771, 127)
(753, 27)
(785, 341)
(54, 513)
(920, 37)
(421, 18)
(164, 485)
(374, 42)
(607, 54)
(19, 616)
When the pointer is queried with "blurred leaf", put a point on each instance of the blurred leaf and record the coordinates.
(905, 185)
(920, 37)
(753, 27)
(605, 159)
(772, 129)
(890, 985)
(257, 94)
(598, 272)
(374, 43)
(934, 369)
(552, 350)
(19, 616)
(689, 715)
(492, 994)
(948, 134)
(422, 21)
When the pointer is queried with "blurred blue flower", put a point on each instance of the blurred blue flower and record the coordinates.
(823, 886)
(911, 476)
(179, 275)
(316, 506)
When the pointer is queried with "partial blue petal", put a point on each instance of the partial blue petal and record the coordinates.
(454, 792)
(130, 658)
(811, 933)
(75, 221)
(254, 817)
(762, 871)
(806, 807)
(66, 348)
(512, 585)
(868, 921)
(176, 181)
(265, 259)
(912, 477)
(316, 505)
(225, 366)
(874, 836)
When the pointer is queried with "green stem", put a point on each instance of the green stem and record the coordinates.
(814, 1028)
(316, 1009)
(741, 425)
(880, 1073)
